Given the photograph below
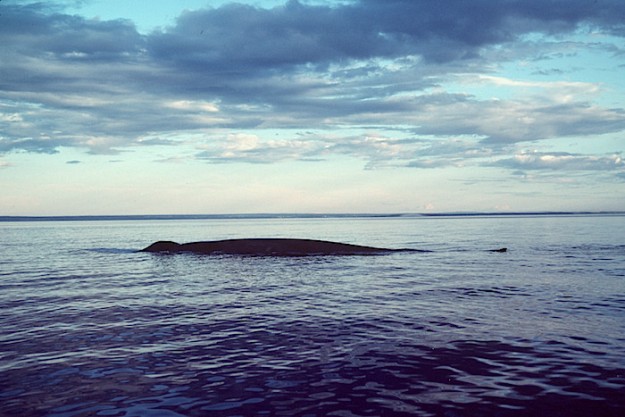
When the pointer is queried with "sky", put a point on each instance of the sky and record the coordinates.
(351, 106)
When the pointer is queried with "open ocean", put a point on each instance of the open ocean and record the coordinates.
(90, 327)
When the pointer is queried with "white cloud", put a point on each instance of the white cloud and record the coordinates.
(556, 91)
(516, 120)
(562, 162)
(192, 105)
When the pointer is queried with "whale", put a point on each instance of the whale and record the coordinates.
(500, 250)
(270, 247)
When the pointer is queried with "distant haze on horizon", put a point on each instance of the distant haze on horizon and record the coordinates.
(352, 106)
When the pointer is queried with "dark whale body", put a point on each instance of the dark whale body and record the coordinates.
(270, 247)
(500, 250)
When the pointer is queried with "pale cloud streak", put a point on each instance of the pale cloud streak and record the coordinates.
(562, 161)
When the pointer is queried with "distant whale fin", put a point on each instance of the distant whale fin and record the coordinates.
(500, 250)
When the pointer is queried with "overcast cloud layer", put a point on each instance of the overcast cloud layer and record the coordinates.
(364, 79)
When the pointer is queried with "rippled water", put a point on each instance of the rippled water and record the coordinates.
(89, 327)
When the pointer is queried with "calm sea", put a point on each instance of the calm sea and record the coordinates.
(89, 327)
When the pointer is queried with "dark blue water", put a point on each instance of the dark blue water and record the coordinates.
(89, 327)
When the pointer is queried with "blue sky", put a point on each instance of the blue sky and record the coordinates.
(150, 107)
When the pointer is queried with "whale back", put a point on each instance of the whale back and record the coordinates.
(162, 246)
(275, 247)
(267, 247)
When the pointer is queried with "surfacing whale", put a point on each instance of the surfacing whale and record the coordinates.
(270, 247)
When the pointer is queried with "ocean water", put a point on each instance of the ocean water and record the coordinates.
(90, 327)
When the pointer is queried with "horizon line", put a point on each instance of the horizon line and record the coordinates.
(296, 215)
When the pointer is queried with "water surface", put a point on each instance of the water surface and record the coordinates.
(90, 327)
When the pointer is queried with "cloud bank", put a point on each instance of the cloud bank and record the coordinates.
(375, 66)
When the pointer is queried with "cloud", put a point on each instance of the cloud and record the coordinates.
(67, 81)
(30, 145)
(312, 147)
(515, 120)
(376, 150)
(562, 161)
(448, 153)
(40, 29)
(249, 148)
(242, 38)
(297, 34)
